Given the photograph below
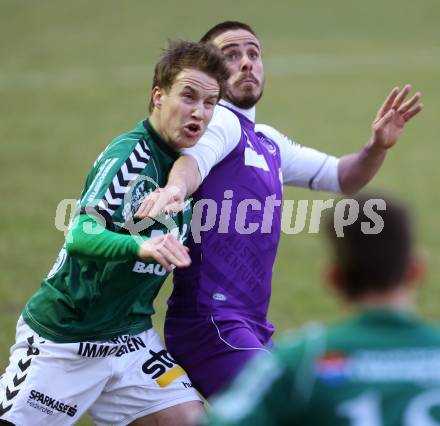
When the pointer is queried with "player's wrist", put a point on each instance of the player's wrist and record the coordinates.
(176, 190)
(144, 249)
(374, 148)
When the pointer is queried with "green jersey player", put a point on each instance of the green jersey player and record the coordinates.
(379, 368)
(85, 339)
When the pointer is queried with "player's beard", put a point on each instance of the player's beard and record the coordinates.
(244, 101)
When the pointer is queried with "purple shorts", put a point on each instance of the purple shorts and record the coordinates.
(214, 348)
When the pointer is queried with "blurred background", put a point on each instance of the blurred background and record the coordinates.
(73, 75)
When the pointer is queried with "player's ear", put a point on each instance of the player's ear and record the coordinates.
(333, 277)
(415, 271)
(156, 96)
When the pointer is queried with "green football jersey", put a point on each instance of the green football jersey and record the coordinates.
(89, 297)
(381, 368)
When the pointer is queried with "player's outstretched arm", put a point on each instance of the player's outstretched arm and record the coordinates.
(221, 137)
(356, 170)
(183, 180)
(89, 239)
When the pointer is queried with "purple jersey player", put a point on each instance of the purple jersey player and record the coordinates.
(216, 318)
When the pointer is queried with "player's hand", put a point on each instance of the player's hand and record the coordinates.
(162, 200)
(392, 117)
(166, 250)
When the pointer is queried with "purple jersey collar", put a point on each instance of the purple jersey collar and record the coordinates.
(248, 114)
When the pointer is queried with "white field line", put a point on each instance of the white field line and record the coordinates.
(283, 65)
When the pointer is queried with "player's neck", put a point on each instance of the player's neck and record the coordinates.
(398, 299)
(155, 123)
(248, 113)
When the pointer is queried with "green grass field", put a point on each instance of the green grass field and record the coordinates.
(75, 74)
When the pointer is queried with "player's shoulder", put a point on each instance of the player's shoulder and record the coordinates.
(123, 145)
(292, 344)
(224, 119)
(127, 141)
(427, 330)
(224, 128)
(221, 113)
(280, 138)
(267, 130)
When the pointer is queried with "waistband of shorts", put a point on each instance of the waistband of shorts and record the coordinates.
(178, 312)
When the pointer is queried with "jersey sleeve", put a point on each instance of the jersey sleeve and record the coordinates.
(89, 239)
(93, 234)
(220, 138)
(111, 178)
(303, 166)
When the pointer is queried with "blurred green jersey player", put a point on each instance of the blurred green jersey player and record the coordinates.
(381, 367)
(85, 340)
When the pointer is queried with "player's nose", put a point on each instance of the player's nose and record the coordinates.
(198, 111)
(245, 64)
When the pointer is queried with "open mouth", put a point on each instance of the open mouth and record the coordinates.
(193, 129)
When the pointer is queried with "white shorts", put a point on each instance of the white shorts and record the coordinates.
(117, 381)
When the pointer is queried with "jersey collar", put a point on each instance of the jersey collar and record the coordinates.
(248, 113)
(383, 315)
(158, 140)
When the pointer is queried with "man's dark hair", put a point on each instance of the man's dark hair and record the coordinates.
(373, 263)
(182, 54)
(222, 27)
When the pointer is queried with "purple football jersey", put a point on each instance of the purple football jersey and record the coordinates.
(232, 264)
